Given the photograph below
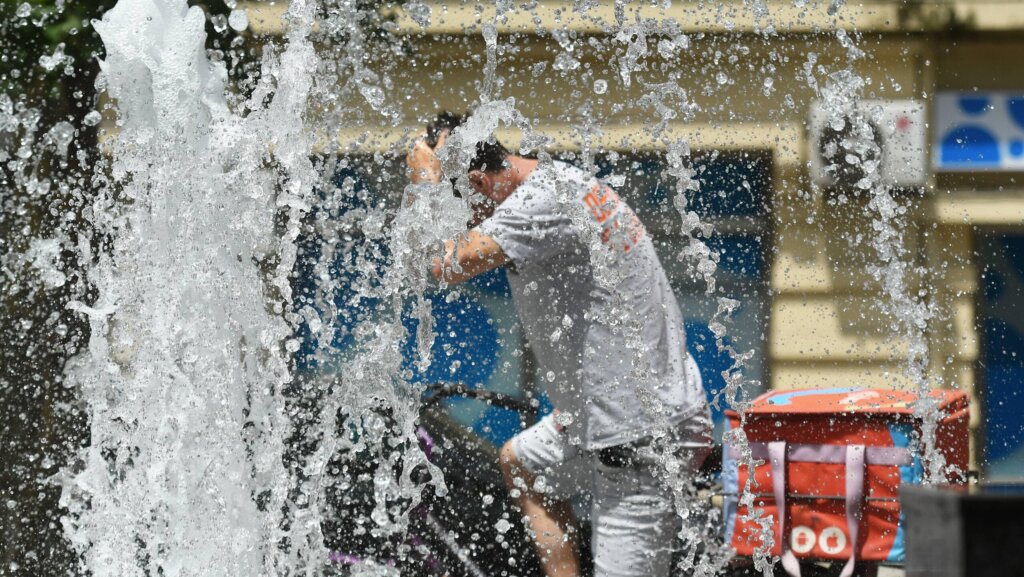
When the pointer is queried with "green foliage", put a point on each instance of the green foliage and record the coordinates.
(50, 25)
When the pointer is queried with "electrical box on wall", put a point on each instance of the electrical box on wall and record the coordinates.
(892, 141)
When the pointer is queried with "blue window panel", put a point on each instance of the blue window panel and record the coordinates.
(1002, 328)
(494, 282)
(712, 362)
(1004, 418)
(466, 343)
(344, 271)
(741, 256)
(499, 425)
(732, 185)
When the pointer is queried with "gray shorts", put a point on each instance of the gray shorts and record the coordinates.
(633, 518)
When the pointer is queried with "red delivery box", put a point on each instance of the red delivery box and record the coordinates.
(833, 461)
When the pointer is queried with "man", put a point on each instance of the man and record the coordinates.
(608, 337)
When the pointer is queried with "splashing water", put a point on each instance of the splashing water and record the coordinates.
(193, 239)
(908, 310)
(184, 373)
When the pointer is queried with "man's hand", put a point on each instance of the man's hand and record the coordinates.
(475, 253)
(423, 161)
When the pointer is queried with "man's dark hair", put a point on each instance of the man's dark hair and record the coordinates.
(490, 155)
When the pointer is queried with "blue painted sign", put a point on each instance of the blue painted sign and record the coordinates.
(978, 131)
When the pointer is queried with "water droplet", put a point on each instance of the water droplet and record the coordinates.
(220, 23)
(564, 419)
(721, 78)
(373, 94)
(62, 134)
(51, 61)
(550, 376)
(565, 62)
(24, 10)
(238, 20)
(502, 526)
(540, 484)
(666, 48)
(600, 86)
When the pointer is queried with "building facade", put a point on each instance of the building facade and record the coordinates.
(737, 83)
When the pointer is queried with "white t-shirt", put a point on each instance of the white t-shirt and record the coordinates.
(610, 346)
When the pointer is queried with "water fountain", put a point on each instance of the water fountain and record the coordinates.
(191, 237)
(185, 366)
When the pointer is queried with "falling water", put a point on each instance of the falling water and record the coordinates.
(185, 366)
(907, 309)
(192, 239)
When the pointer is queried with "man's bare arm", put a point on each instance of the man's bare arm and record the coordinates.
(476, 253)
(424, 166)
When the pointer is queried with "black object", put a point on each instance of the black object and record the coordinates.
(454, 535)
(626, 455)
(438, 392)
(846, 153)
(618, 456)
(951, 532)
(445, 121)
(712, 466)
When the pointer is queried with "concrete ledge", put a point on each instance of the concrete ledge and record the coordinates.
(712, 17)
(878, 16)
(784, 139)
(890, 375)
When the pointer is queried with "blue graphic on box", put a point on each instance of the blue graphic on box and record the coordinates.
(979, 131)
(912, 474)
(787, 398)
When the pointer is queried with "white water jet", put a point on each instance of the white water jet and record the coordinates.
(183, 376)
